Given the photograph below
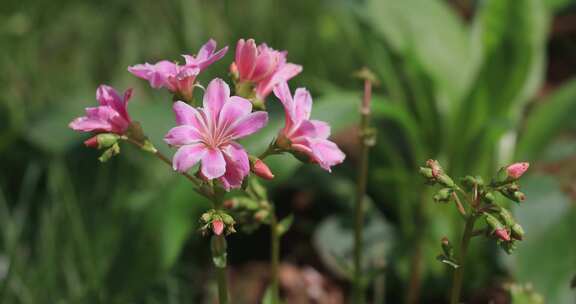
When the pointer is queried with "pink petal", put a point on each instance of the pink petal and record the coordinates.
(217, 94)
(265, 65)
(248, 124)
(188, 115)
(237, 166)
(206, 50)
(245, 58)
(157, 74)
(108, 96)
(322, 129)
(327, 154)
(302, 104)
(187, 156)
(284, 73)
(213, 164)
(182, 135)
(85, 124)
(233, 110)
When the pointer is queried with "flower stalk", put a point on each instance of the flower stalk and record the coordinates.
(366, 141)
(275, 256)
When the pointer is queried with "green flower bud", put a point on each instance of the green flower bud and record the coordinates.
(489, 198)
(445, 180)
(443, 195)
(493, 222)
(227, 219)
(506, 217)
(447, 247)
(517, 231)
(426, 172)
(206, 217)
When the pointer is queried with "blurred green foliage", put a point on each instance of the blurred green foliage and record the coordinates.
(462, 91)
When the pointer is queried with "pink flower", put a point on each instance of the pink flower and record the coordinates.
(262, 66)
(303, 135)
(208, 135)
(179, 79)
(110, 116)
(516, 170)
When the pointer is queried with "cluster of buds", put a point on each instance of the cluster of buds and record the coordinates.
(252, 209)
(217, 221)
(106, 141)
(483, 201)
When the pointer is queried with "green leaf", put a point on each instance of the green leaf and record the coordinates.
(285, 224)
(334, 241)
(415, 27)
(545, 258)
(546, 120)
(510, 70)
(448, 261)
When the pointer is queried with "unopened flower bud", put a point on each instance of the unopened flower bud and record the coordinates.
(217, 227)
(103, 140)
(489, 197)
(261, 169)
(493, 222)
(502, 234)
(507, 217)
(227, 219)
(445, 180)
(517, 231)
(447, 247)
(519, 196)
(435, 166)
(516, 170)
(206, 217)
(443, 195)
(230, 203)
(261, 215)
(426, 172)
(92, 142)
(234, 71)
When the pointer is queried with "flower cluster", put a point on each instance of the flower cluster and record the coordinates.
(483, 202)
(206, 135)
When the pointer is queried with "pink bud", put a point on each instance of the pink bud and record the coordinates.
(502, 234)
(516, 170)
(92, 142)
(262, 170)
(217, 227)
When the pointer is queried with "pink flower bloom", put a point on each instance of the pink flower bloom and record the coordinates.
(179, 79)
(303, 135)
(516, 170)
(208, 135)
(110, 116)
(262, 66)
(217, 227)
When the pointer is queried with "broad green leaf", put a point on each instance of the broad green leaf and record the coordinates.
(334, 241)
(545, 258)
(510, 71)
(546, 120)
(435, 36)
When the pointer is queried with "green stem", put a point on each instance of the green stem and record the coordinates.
(358, 293)
(459, 272)
(275, 258)
(219, 258)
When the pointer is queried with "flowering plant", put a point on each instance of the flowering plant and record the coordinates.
(481, 201)
(205, 136)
